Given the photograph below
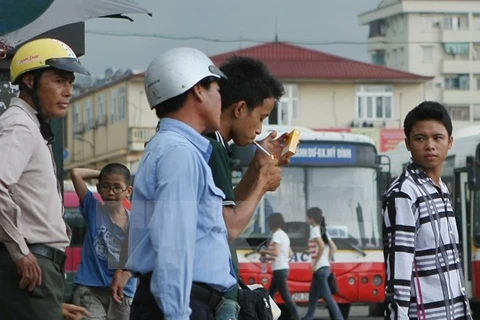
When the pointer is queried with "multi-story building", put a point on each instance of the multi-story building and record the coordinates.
(112, 122)
(432, 38)
(109, 123)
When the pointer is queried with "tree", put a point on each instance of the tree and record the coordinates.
(7, 91)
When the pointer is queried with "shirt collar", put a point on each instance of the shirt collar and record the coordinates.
(218, 136)
(419, 174)
(195, 138)
(32, 113)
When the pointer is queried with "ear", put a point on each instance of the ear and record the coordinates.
(450, 142)
(28, 79)
(129, 191)
(98, 188)
(239, 108)
(198, 92)
(407, 144)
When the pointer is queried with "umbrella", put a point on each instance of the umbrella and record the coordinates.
(22, 20)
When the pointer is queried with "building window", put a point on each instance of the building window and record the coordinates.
(476, 112)
(89, 113)
(454, 22)
(102, 113)
(122, 103)
(427, 53)
(395, 57)
(113, 107)
(428, 23)
(378, 58)
(287, 108)
(374, 102)
(77, 124)
(457, 82)
(476, 22)
(457, 50)
(476, 51)
(459, 113)
(400, 56)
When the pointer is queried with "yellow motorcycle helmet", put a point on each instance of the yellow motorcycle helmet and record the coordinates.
(42, 54)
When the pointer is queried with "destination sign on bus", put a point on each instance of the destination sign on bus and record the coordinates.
(316, 153)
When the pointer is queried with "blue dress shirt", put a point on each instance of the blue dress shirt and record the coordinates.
(177, 229)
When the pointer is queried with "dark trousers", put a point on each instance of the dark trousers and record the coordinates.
(43, 303)
(279, 283)
(144, 306)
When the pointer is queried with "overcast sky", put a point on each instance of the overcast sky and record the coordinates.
(301, 21)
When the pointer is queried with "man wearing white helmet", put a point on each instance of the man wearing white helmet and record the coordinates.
(178, 238)
(33, 234)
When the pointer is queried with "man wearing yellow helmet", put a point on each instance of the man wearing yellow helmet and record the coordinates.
(33, 234)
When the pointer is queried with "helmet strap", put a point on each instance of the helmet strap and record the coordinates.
(45, 128)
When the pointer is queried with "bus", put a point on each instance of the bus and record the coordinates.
(461, 174)
(75, 221)
(342, 174)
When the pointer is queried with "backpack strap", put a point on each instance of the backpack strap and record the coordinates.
(243, 285)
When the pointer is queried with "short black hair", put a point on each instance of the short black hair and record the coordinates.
(276, 220)
(249, 80)
(427, 110)
(116, 168)
(176, 103)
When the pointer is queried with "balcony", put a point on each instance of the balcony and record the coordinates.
(460, 97)
(377, 43)
(137, 137)
(461, 66)
(457, 36)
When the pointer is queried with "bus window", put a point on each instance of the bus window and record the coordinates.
(77, 224)
(348, 199)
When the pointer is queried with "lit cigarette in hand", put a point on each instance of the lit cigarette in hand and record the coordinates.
(263, 149)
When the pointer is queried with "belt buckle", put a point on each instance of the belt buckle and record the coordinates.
(58, 257)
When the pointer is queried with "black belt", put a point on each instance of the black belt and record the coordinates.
(200, 291)
(211, 297)
(55, 255)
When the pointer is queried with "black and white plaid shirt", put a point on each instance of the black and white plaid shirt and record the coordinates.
(421, 251)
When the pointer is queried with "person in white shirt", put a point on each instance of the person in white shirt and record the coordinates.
(322, 249)
(279, 250)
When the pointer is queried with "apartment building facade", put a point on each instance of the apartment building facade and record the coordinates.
(110, 123)
(440, 39)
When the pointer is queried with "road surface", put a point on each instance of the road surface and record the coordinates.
(356, 313)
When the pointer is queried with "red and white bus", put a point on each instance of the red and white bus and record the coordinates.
(78, 226)
(342, 174)
(461, 173)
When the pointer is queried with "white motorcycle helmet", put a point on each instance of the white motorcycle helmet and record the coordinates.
(175, 72)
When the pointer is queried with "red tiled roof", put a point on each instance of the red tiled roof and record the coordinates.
(287, 61)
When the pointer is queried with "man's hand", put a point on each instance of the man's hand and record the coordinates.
(29, 271)
(119, 281)
(272, 145)
(73, 312)
(270, 175)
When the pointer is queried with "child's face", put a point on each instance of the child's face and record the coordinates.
(113, 189)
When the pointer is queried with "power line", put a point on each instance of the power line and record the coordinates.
(242, 39)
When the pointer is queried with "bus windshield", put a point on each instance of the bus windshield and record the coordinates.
(347, 196)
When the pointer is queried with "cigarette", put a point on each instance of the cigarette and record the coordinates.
(263, 149)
